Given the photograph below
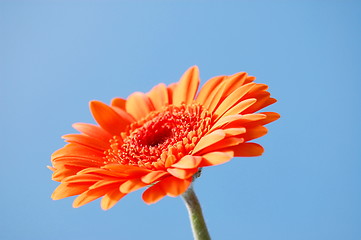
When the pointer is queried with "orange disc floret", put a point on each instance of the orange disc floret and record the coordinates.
(161, 139)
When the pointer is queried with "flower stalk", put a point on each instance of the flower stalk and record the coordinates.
(199, 228)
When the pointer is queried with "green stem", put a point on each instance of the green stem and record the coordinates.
(199, 228)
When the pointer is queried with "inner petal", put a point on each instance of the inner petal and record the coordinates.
(149, 142)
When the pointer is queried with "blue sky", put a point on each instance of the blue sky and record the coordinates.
(56, 56)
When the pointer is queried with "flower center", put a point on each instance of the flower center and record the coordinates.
(157, 137)
(161, 138)
(158, 131)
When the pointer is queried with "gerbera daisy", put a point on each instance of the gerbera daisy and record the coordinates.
(161, 139)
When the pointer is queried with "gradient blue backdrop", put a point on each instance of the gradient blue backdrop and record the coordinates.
(55, 56)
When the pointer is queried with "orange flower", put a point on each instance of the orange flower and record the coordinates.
(161, 139)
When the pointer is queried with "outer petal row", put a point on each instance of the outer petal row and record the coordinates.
(170, 186)
(108, 118)
(233, 101)
(187, 87)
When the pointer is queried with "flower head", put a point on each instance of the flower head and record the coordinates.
(161, 139)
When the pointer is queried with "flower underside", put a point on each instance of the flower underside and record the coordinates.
(160, 139)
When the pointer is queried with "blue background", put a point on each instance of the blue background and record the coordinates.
(55, 56)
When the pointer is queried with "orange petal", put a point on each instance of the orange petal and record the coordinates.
(247, 150)
(111, 198)
(93, 131)
(187, 87)
(235, 81)
(188, 162)
(132, 185)
(246, 120)
(104, 173)
(88, 196)
(65, 171)
(171, 88)
(139, 105)
(103, 183)
(216, 98)
(250, 79)
(74, 150)
(237, 121)
(87, 141)
(254, 132)
(123, 114)
(153, 176)
(269, 117)
(154, 194)
(216, 158)
(62, 173)
(174, 186)
(226, 142)
(81, 178)
(259, 88)
(127, 169)
(51, 168)
(171, 159)
(69, 189)
(234, 131)
(227, 87)
(75, 162)
(208, 140)
(240, 107)
(118, 102)
(159, 96)
(263, 100)
(107, 118)
(233, 98)
(182, 173)
(224, 121)
(92, 195)
(208, 90)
